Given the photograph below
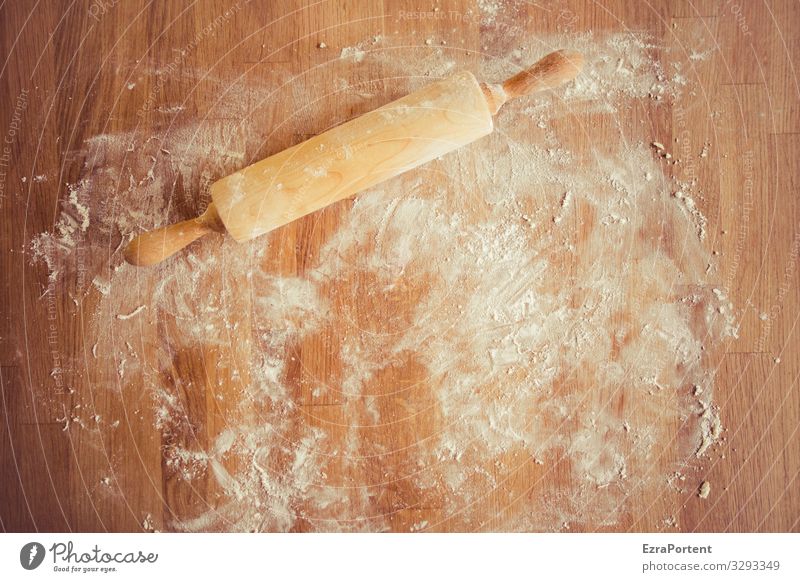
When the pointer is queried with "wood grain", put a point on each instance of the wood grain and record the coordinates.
(64, 80)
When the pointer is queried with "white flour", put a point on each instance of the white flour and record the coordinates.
(548, 301)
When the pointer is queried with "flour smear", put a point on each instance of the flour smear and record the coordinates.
(535, 306)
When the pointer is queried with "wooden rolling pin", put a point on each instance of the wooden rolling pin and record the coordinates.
(353, 156)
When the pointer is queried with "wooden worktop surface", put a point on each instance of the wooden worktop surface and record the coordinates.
(65, 78)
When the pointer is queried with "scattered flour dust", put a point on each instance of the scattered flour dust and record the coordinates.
(72, 224)
(521, 308)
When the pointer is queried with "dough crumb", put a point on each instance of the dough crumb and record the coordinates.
(147, 524)
(710, 430)
(705, 490)
(133, 313)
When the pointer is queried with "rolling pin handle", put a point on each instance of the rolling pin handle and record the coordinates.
(156, 245)
(548, 72)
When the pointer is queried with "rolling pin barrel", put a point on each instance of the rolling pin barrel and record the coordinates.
(354, 156)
